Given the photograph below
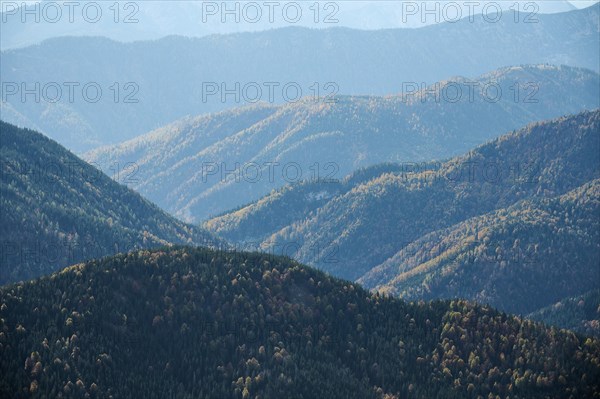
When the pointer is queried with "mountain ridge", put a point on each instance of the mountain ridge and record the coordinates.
(57, 210)
(205, 165)
(568, 38)
(546, 246)
(358, 228)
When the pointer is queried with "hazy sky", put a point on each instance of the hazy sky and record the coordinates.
(155, 19)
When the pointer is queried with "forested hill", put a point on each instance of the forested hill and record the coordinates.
(189, 323)
(518, 259)
(202, 166)
(580, 313)
(348, 231)
(58, 210)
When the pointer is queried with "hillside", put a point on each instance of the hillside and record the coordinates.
(203, 166)
(162, 80)
(57, 210)
(518, 259)
(363, 227)
(581, 313)
(292, 203)
(195, 323)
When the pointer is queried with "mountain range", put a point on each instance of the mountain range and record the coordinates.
(92, 91)
(304, 211)
(384, 221)
(148, 20)
(202, 166)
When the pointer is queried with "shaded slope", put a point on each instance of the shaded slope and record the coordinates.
(517, 259)
(57, 210)
(581, 313)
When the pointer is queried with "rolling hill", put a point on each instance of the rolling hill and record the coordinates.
(202, 166)
(57, 210)
(292, 203)
(186, 322)
(518, 259)
(147, 84)
(352, 230)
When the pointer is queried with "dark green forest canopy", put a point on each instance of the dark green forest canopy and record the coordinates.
(188, 323)
(58, 210)
(517, 259)
(580, 313)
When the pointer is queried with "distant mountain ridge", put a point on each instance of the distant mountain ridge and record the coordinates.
(203, 166)
(57, 210)
(336, 60)
(153, 20)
